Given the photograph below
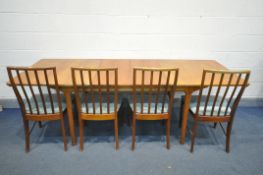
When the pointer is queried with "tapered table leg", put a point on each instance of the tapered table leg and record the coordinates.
(67, 94)
(187, 99)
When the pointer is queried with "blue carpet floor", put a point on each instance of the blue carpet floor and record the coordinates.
(150, 157)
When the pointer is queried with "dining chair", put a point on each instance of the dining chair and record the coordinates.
(38, 100)
(218, 99)
(96, 94)
(152, 88)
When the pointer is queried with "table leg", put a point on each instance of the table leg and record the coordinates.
(187, 99)
(67, 94)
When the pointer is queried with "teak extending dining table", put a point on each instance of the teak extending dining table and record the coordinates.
(189, 80)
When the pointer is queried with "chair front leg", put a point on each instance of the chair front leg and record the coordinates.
(133, 132)
(81, 134)
(27, 135)
(193, 136)
(64, 134)
(116, 133)
(168, 127)
(228, 134)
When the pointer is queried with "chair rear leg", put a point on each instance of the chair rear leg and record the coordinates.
(168, 127)
(81, 134)
(133, 132)
(116, 133)
(215, 124)
(64, 134)
(228, 134)
(27, 136)
(40, 124)
(181, 113)
(193, 136)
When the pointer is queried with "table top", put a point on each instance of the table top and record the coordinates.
(190, 71)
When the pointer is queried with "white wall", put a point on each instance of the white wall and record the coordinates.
(230, 31)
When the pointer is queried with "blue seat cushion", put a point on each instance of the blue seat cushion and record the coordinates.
(97, 108)
(152, 110)
(193, 107)
(48, 108)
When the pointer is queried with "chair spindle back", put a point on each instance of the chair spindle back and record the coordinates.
(36, 89)
(153, 86)
(222, 91)
(95, 87)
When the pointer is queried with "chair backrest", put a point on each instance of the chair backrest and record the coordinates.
(96, 90)
(36, 89)
(221, 92)
(151, 86)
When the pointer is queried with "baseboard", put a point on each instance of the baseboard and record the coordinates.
(9, 103)
(245, 102)
(251, 102)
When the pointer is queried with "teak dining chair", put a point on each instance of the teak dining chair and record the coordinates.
(96, 93)
(38, 100)
(151, 86)
(218, 100)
